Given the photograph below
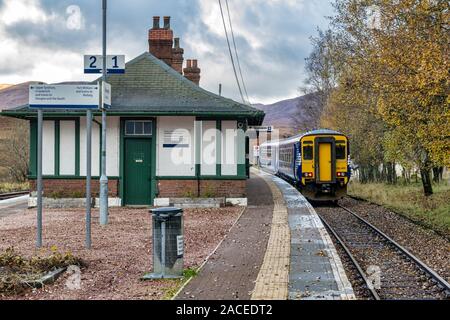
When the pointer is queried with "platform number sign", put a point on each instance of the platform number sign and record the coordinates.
(114, 64)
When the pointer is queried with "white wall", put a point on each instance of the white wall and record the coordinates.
(95, 147)
(67, 147)
(175, 161)
(48, 148)
(112, 146)
(208, 147)
(229, 148)
(170, 160)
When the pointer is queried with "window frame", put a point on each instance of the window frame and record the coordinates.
(344, 148)
(134, 134)
(310, 147)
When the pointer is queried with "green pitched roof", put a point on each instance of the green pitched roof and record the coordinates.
(151, 87)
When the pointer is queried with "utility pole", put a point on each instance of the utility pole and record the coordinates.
(88, 176)
(103, 177)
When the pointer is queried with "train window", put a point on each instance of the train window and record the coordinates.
(307, 152)
(340, 151)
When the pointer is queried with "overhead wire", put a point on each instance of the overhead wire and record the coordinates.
(231, 54)
(236, 52)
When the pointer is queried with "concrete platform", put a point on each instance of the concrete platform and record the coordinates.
(277, 250)
(315, 269)
(231, 271)
(13, 205)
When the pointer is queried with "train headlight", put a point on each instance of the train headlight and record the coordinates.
(341, 174)
(308, 174)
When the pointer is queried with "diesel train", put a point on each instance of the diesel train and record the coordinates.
(316, 162)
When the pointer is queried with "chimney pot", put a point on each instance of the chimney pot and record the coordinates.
(192, 72)
(176, 43)
(166, 22)
(156, 22)
(160, 42)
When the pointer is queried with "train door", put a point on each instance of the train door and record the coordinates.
(325, 162)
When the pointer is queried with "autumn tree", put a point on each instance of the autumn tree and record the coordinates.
(412, 78)
(393, 78)
(322, 69)
(14, 152)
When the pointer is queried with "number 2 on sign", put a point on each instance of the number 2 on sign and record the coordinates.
(93, 60)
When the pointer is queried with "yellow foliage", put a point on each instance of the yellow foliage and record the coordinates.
(396, 76)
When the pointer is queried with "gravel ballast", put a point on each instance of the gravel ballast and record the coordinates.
(427, 245)
(399, 278)
(121, 251)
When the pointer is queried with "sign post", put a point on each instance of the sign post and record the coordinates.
(64, 97)
(39, 179)
(104, 177)
(88, 176)
(104, 64)
(259, 129)
(105, 104)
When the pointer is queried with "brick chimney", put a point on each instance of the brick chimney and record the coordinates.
(177, 56)
(160, 40)
(164, 47)
(192, 71)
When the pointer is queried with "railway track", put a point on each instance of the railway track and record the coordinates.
(9, 195)
(388, 270)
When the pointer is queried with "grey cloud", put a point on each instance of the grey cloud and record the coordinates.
(274, 70)
(10, 66)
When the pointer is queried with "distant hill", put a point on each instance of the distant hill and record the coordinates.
(4, 86)
(15, 95)
(288, 114)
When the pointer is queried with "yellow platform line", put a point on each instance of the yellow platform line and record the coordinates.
(273, 277)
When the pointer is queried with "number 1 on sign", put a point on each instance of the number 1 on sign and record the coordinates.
(115, 62)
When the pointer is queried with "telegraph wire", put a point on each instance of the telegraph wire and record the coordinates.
(236, 53)
(231, 54)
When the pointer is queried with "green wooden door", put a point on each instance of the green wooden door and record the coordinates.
(137, 171)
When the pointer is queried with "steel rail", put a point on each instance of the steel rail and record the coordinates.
(433, 274)
(9, 195)
(441, 282)
(352, 258)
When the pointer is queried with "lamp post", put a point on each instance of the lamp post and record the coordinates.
(103, 177)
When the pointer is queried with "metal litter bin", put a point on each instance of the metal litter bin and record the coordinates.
(168, 243)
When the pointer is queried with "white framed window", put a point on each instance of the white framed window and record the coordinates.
(138, 127)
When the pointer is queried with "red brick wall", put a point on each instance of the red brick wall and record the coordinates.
(167, 188)
(208, 188)
(160, 43)
(74, 187)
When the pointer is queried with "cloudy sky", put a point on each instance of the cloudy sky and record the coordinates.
(45, 39)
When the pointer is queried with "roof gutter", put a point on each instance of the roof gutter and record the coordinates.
(255, 117)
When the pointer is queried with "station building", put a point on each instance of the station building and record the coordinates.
(166, 136)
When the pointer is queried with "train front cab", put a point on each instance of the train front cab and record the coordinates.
(324, 171)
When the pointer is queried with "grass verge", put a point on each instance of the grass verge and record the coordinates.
(16, 270)
(409, 201)
(187, 275)
(6, 187)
